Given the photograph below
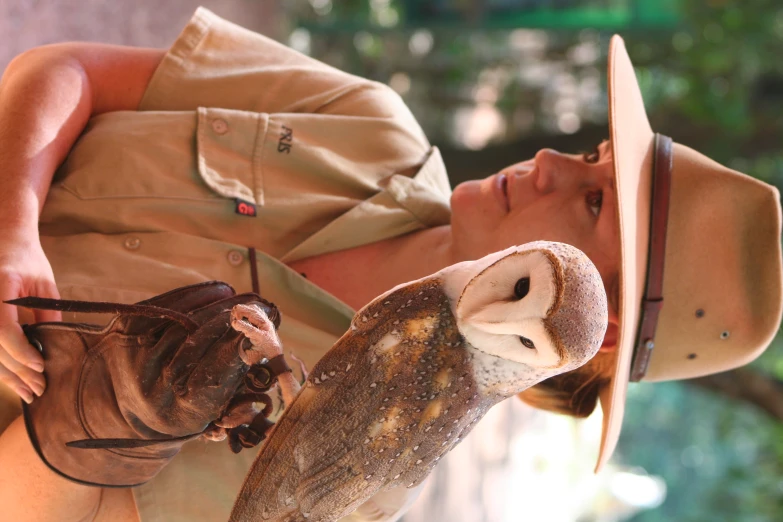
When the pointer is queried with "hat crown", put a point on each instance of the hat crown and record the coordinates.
(723, 289)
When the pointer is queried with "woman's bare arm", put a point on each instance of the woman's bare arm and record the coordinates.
(29, 491)
(47, 95)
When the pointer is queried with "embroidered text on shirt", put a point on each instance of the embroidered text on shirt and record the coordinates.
(286, 140)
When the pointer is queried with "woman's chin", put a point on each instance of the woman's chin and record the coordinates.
(465, 192)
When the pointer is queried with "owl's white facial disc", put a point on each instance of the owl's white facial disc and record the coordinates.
(558, 323)
(502, 310)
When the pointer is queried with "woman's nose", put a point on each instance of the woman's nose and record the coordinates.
(556, 170)
(549, 164)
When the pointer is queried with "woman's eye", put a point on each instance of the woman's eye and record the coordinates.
(522, 287)
(527, 342)
(594, 201)
(593, 156)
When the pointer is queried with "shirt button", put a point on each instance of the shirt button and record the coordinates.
(132, 243)
(219, 126)
(235, 258)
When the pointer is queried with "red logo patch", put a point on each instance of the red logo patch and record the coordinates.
(245, 208)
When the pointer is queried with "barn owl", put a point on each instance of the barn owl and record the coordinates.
(420, 365)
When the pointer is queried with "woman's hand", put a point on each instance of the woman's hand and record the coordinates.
(24, 271)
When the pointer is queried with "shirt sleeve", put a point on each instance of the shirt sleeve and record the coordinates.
(215, 63)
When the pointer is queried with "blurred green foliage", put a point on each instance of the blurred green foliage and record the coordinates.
(722, 462)
(712, 77)
(721, 74)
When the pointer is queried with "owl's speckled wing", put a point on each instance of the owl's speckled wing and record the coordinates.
(379, 409)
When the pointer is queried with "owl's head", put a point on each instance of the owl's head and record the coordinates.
(541, 304)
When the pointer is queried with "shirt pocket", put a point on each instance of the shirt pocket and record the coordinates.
(229, 153)
(208, 154)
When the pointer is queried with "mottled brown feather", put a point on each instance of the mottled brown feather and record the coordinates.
(384, 422)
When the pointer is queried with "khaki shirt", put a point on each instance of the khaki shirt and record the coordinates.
(147, 201)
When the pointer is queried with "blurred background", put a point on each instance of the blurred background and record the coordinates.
(491, 82)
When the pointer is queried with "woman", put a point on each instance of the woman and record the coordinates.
(234, 141)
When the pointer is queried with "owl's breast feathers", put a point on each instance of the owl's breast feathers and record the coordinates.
(392, 396)
(419, 391)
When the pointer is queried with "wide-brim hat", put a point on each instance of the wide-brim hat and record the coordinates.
(700, 277)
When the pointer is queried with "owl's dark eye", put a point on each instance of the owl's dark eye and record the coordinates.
(522, 287)
(527, 342)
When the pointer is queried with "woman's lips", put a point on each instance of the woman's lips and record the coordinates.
(500, 188)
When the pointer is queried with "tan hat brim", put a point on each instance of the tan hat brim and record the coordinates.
(632, 148)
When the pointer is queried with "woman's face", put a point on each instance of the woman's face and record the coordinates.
(555, 197)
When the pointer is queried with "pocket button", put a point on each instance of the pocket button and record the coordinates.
(132, 243)
(219, 126)
(235, 258)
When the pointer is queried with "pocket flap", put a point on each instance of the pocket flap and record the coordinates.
(229, 156)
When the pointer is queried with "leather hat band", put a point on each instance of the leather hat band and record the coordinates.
(653, 295)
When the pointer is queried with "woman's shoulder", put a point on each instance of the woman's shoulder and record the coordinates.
(217, 63)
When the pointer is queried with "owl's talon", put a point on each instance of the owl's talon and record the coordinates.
(302, 366)
(214, 433)
(244, 409)
(251, 321)
(249, 435)
(254, 323)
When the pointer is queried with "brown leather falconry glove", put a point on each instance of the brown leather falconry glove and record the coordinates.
(121, 400)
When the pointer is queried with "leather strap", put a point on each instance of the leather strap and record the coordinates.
(253, 269)
(653, 295)
(125, 443)
(278, 365)
(100, 307)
